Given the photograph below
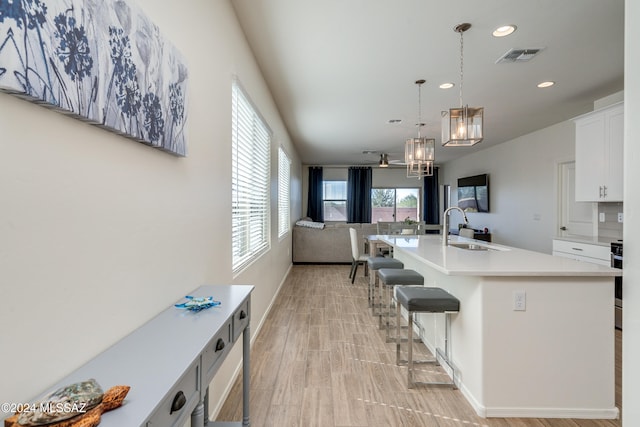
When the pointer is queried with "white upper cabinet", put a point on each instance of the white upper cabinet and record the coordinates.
(599, 155)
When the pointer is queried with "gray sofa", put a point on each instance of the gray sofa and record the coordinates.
(330, 245)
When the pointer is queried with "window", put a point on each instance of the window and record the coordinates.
(334, 200)
(250, 140)
(394, 204)
(284, 184)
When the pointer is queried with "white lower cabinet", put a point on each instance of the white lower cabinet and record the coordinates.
(593, 253)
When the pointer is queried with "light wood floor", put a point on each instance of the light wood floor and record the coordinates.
(320, 360)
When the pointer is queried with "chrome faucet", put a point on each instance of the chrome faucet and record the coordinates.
(445, 223)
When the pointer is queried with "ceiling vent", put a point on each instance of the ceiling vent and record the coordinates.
(519, 55)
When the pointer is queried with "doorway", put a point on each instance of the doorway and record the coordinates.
(574, 218)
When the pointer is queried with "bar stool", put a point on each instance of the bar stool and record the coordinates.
(425, 300)
(375, 264)
(390, 277)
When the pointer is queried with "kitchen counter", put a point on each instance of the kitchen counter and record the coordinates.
(554, 359)
(497, 260)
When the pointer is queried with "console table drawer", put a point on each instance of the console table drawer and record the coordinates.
(180, 401)
(241, 318)
(215, 352)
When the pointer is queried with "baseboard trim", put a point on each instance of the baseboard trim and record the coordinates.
(321, 263)
(481, 411)
(238, 369)
(576, 413)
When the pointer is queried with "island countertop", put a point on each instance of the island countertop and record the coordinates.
(497, 260)
(534, 336)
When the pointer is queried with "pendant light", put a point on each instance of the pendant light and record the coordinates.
(419, 153)
(462, 126)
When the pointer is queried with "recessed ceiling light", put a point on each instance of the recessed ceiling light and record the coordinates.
(446, 85)
(394, 121)
(504, 30)
(546, 84)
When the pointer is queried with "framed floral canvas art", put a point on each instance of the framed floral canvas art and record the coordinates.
(102, 61)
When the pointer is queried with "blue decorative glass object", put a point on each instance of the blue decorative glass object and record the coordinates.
(198, 303)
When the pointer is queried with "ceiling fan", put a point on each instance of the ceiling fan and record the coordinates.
(384, 158)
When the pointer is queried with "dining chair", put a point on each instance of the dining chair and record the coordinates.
(383, 226)
(402, 228)
(430, 229)
(467, 232)
(358, 258)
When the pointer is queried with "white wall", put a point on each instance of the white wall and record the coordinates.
(631, 282)
(99, 233)
(523, 181)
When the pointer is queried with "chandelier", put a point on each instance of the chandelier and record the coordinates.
(462, 126)
(419, 153)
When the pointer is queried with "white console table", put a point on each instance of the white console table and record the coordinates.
(169, 362)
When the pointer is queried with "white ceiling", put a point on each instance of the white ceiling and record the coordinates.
(340, 69)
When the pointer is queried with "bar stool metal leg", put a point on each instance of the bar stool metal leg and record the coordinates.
(411, 383)
(388, 278)
(392, 304)
(384, 305)
(400, 339)
(374, 264)
(425, 300)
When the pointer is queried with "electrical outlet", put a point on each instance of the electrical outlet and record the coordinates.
(620, 217)
(519, 300)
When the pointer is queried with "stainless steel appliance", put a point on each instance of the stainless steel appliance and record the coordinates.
(616, 262)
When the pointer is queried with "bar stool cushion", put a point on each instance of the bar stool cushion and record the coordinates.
(432, 300)
(393, 276)
(376, 263)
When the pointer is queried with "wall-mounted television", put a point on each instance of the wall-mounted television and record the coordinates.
(473, 193)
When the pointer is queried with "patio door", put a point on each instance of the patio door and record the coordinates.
(395, 204)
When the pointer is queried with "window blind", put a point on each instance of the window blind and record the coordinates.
(250, 181)
(284, 183)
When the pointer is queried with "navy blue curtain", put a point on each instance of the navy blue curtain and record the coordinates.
(359, 194)
(314, 201)
(431, 207)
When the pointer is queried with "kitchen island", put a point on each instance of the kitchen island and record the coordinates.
(535, 333)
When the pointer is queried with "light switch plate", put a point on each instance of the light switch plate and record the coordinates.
(620, 217)
(601, 217)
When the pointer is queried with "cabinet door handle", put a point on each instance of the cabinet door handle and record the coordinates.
(178, 402)
(219, 345)
(578, 249)
(563, 228)
(243, 315)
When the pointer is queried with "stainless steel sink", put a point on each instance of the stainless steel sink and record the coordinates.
(469, 246)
